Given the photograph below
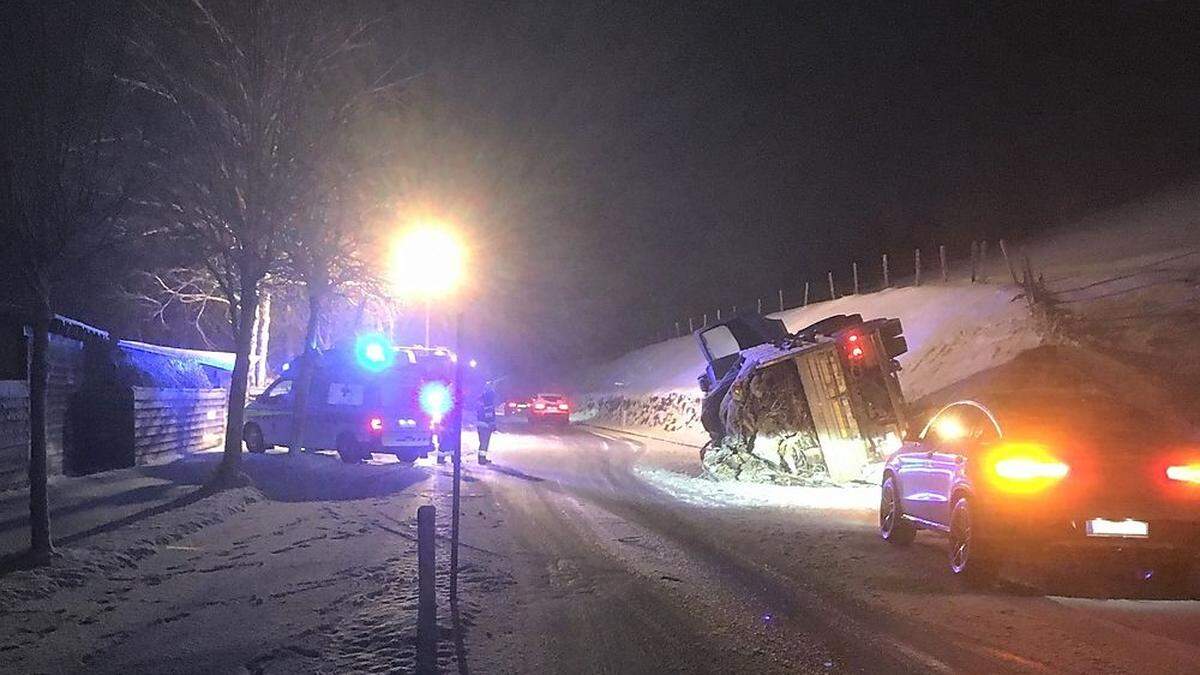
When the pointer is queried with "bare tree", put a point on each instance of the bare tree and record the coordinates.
(328, 254)
(62, 187)
(246, 91)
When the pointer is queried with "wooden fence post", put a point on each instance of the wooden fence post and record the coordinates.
(781, 299)
(805, 294)
(718, 314)
(942, 257)
(677, 331)
(974, 260)
(887, 282)
(832, 291)
(854, 266)
(705, 324)
(691, 326)
(983, 247)
(760, 305)
(1008, 261)
(917, 267)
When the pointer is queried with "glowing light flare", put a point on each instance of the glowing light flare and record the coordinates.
(1024, 468)
(563, 406)
(436, 400)
(949, 428)
(1185, 473)
(375, 424)
(374, 352)
(539, 406)
(427, 262)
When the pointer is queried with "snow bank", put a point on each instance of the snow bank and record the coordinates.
(953, 331)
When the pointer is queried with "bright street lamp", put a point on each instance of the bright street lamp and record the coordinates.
(427, 262)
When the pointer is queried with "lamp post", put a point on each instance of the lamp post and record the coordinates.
(428, 262)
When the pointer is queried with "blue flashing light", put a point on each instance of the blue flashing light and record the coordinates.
(436, 399)
(374, 352)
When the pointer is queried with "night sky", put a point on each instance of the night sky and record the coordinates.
(655, 160)
(620, 166)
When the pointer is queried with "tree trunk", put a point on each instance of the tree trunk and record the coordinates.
(264, 339)
(40, 544)
(231, 462)
(306, 366)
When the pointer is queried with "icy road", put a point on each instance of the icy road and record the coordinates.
(583, 552)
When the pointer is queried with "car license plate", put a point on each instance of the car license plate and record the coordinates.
(1136, 529)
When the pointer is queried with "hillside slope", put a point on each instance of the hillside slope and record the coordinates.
(1124, 287)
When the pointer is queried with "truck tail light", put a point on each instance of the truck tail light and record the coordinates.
(854, 347)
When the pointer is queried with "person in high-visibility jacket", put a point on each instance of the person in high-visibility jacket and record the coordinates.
(485, 420)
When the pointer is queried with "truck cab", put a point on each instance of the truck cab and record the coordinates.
(392, 402)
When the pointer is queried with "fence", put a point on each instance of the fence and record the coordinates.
(14, 433)
(921, 267)
(168, 423)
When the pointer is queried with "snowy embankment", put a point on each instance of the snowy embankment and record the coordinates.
(1121, 290)
(953, 330)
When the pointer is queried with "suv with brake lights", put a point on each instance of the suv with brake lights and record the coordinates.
(1034, 473)
(549, 409)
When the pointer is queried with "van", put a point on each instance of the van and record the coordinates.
(392, 404)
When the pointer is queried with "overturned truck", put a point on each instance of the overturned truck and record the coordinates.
(816, 405)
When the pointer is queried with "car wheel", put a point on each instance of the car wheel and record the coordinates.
(892, 526)
(253, 437)
(349, 450)
(971, 558)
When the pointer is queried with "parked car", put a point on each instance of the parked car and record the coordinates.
(1039, 472)
(549, 409)
(513, 408)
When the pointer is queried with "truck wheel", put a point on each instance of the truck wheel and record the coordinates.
(972, 558)
(253, 437)
(892, 526)
(349, 450)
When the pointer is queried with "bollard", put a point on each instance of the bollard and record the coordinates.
(426, 591)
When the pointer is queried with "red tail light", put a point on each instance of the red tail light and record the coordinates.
(563, 406)
(539, 406)
(375, 424)
(854, 349)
